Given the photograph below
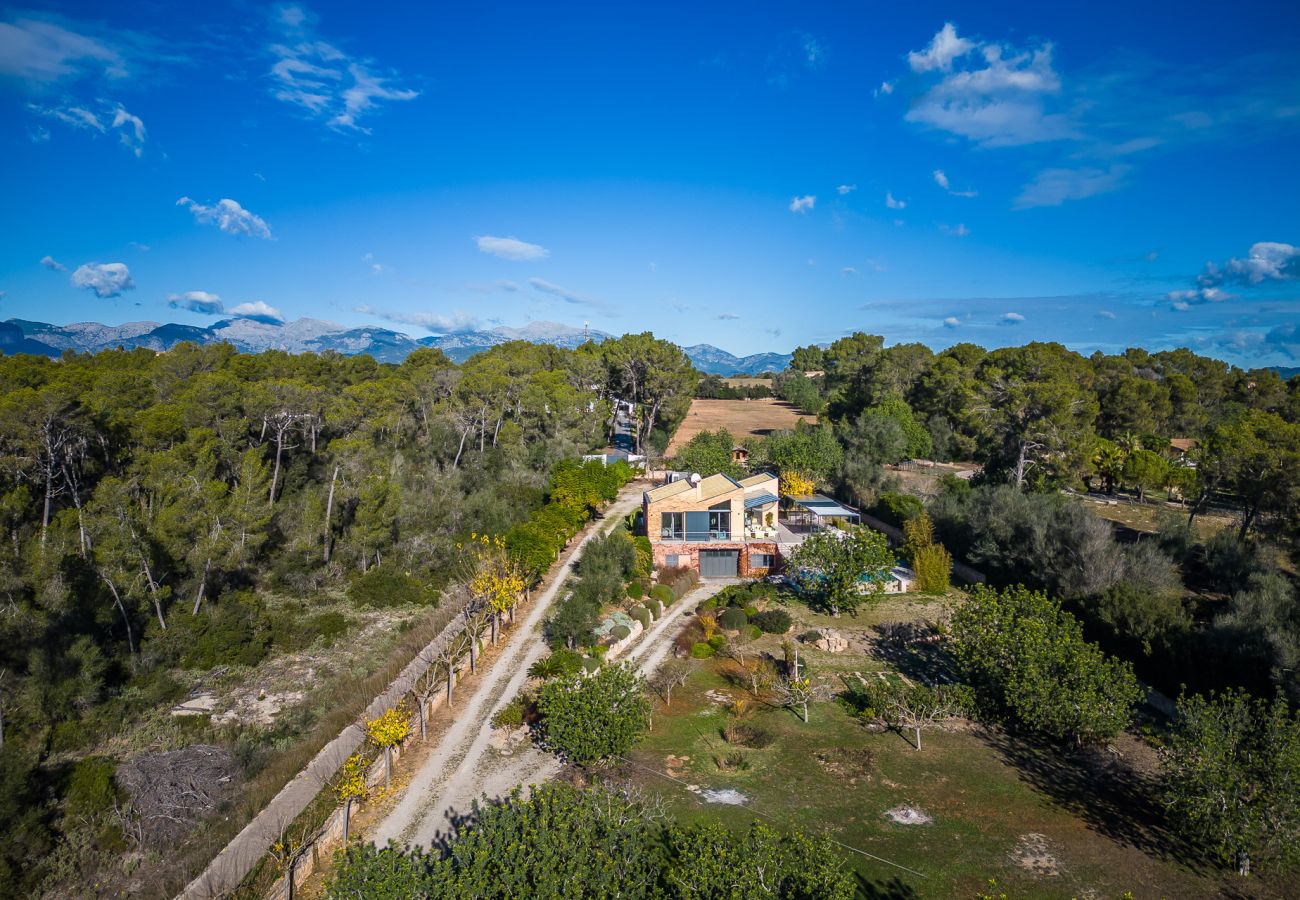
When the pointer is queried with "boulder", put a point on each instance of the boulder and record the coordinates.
(831, 641)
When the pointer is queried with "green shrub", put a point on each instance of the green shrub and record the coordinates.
(707, 605)
(774, 621)
(754, 632)
(230, 632)
(642, 615)
(811, 636)
(897, 508)
(933, 567)
(701, 650)
(511, 715)
(733, 618)
(751, 611)
(645, 559)
(636, 590)
(718, 641)
(656, 608)
(620, 632)
(590, 663)
(663, 593)
(328, 626)
(90, 789)
(385, 586)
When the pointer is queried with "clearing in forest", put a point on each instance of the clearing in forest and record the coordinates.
(743, 418)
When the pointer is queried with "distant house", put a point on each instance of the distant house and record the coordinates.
(739, 455)
(1181, 446)
(718, 526)
(613, 456)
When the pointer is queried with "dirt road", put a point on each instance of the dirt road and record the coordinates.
(466, 764)
(459, 767)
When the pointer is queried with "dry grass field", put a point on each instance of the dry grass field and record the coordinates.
(743, 418)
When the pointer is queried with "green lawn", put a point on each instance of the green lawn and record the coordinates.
(1042, 824)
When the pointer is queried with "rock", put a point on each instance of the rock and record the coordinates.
(196, 705)
(831, 641)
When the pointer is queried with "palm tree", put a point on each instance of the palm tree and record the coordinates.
(1108, 460)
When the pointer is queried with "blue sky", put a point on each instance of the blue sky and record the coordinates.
(751, 175)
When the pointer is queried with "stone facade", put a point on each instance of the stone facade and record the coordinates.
(688, 555)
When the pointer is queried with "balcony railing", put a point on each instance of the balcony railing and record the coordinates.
(695, 537)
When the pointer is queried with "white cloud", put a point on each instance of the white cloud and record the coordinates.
(886, 88)
(848, 270)
(568, 296)
(112, 116)
(803, 204)
(1012, 318)
(197, 301)
(258, 311)
(229, 216)
(951, 322)
(457, 322)
(958, 230)
(944, 47)
(132, 130)
(53, 264)
(846, 189)
(1180, 305)
(1266, 261)
(814, 51)
(728, 316)
(1199, 295)
(1105, 314)
(995, 100)
(327, 83)
(105, 279)
(43, 53)
(892, 203)
(511, 248)
(1052, 187)
(941, 179)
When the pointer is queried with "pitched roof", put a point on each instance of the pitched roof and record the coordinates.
(717, 485)
(756, 480)
(672, 489)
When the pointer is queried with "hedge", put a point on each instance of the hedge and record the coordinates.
(733, 618)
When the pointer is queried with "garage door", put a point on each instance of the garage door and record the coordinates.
(719, 563)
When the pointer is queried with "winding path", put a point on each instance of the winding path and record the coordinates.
(462, 766)
(458, 768)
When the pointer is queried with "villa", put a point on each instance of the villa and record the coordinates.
(727, 528)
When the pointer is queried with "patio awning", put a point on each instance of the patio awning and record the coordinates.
(762, 499)
(823, 508)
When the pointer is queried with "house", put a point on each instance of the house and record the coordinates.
(739, 455)
(609, 457)
(718, 526)
(1179, 447)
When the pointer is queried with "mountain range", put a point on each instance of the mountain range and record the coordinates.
(317, 336)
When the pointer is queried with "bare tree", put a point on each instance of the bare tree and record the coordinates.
(672, 674)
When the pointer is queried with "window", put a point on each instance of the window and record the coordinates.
(762, 560)
(720, 523)
(672, 562)
(671, 526)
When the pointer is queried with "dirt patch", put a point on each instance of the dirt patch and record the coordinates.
(849, 764)
(743, 418)
(909, 815)
(675, 766)
(1032, 854)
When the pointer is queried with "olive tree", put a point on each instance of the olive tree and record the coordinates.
(586, 718)
(1231, 770)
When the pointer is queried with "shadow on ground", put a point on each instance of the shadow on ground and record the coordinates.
(1100, 788)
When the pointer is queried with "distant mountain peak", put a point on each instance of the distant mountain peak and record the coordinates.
(307, 335)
